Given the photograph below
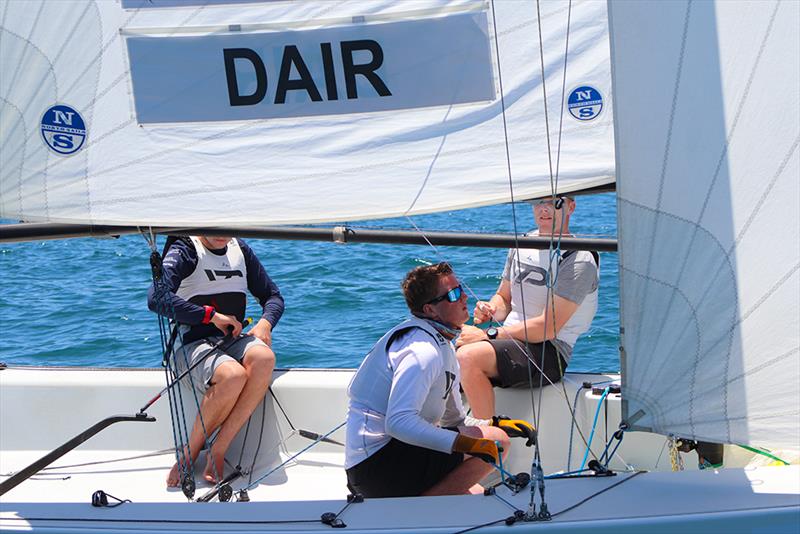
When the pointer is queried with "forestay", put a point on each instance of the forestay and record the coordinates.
(708, 165)
(192, 112)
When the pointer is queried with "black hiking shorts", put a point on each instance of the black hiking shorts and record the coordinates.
(512, 363)
(399, 469)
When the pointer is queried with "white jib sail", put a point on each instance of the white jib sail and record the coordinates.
(707, 175)
(208, 112)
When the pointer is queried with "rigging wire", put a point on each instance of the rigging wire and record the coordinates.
(554, 248)
(181, 433)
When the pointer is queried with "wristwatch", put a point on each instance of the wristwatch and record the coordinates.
(491, 332)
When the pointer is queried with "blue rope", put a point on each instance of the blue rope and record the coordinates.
(608, 458)
(566, 474)
(594, 426)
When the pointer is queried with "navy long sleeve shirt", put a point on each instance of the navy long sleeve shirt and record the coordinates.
(180, 261)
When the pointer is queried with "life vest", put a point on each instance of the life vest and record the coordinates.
(219, 281)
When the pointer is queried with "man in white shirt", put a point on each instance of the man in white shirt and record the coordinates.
(545, 302)
(407, 433)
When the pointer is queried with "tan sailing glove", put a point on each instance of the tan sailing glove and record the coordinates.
(482, 448)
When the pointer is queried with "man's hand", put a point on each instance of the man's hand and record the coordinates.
(227, 324)
(263, 331)
(482, 448)
(484, 311)
(515, 428)
(470, 334)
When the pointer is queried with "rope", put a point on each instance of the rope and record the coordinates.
(594, 426)
(181, 433)
(251, 485)
(178, 424)
(513, 519)
(764, 453)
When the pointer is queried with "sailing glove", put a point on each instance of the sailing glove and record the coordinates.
(482, 448)
(515, 428)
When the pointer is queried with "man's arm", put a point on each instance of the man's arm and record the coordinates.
(179, 262)
(266, 291)
(543, 327)
(499, 306)
(575, 280)
(414, 375)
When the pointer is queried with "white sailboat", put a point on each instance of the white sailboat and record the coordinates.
(178, 113)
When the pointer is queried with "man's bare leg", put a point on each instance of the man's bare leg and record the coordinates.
(258, 363)
(478, 362)
(465, 478)
(227, 383)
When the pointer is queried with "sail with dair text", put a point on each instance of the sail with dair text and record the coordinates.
(215, 112)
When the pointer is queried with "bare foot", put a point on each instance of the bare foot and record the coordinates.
(174, 477)
(215, 468)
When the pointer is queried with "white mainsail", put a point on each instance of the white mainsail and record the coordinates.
(708, 166)
(125, 114)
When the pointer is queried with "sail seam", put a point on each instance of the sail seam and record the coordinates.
(765, 194)
(21, 120)
(741, 376)
(722, 158)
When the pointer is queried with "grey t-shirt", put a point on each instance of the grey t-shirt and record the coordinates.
(575, 278)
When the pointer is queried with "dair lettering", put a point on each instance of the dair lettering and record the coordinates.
(304, 81)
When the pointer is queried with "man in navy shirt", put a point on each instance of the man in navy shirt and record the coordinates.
(207, 279)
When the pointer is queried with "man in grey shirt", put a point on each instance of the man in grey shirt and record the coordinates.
(544, 302)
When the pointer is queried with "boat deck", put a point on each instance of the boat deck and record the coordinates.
(296, 498)
(131, 460)
(129, 475)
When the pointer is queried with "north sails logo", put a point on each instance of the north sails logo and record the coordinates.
(63, 129)
(585, 103)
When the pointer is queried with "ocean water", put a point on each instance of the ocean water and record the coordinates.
(82, 302)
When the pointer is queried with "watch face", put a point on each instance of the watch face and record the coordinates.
(491, 333)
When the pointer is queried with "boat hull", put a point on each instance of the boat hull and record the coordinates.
(306, 478)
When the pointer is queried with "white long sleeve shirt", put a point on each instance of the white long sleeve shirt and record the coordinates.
(407, 388)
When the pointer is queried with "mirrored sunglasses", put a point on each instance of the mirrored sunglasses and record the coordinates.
(452, 296)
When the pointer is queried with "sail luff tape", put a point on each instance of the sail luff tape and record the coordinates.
(473, 7)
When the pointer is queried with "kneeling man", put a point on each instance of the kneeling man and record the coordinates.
(407, 433)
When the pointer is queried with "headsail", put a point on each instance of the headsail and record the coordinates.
(158, 112)
(708, 166)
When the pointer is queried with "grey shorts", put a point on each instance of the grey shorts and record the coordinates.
(230, 350)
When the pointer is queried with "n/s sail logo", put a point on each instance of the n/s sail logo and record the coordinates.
(585, 103)
(63, 130)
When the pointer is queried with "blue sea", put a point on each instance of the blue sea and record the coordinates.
(82, 302)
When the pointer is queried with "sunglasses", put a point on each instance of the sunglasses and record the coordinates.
(557, 203)
(452, 296)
